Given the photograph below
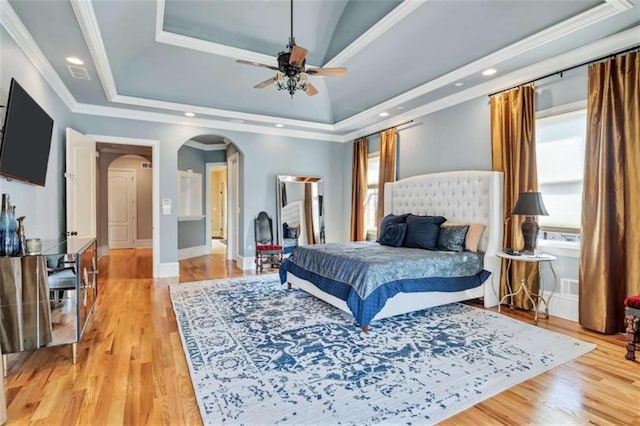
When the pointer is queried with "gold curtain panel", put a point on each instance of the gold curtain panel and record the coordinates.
(610, 250)
(513, 145)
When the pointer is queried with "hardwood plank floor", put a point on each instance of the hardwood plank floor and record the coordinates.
(131, 368)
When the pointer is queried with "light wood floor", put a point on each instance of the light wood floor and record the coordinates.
(131, 368)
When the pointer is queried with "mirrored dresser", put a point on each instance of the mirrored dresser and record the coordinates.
(47, 299)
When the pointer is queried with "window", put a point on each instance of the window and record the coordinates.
(371, 202)
(560, 145)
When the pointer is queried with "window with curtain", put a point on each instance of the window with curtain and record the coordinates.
(560, 147)
(371, 202)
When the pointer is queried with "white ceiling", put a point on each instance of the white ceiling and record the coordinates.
(157, 60)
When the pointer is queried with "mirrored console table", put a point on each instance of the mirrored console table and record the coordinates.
(47, 299)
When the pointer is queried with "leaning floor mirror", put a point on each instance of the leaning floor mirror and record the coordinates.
(300, 214)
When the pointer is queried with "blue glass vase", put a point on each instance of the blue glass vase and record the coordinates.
(8, 229)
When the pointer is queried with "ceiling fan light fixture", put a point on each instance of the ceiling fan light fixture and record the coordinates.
(292, 69)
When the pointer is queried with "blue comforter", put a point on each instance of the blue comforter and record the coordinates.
(366, 274)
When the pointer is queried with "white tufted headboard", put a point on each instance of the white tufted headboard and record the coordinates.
(461, 196)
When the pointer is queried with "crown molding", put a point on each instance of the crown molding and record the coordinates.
(400, 12)
(159, 117)
(223, 113)
(206, 46)
(584, 19)
(620, 4)
(23, 39)
(213, 48)
(592, 51)
(206, 147)
(88, 23)
(86, 18)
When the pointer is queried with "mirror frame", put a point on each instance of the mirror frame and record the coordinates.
(282, 179)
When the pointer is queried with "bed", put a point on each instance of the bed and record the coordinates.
(461, 196)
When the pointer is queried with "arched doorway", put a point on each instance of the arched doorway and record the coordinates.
(208, 178)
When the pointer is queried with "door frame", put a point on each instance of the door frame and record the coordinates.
(207, 204)
(233, 209)
(155, 190)
(134, 196)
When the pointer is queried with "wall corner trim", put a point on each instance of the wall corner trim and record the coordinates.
(168, 269)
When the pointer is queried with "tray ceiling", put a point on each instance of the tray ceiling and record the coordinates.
(157, 60)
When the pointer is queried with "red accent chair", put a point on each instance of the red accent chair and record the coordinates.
(266, 251)
(632, 321)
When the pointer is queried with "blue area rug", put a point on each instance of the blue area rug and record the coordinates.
(261, 354)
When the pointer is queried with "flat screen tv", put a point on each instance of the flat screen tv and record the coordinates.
(26, 138)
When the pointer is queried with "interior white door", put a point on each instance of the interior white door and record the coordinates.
(81, 187)
(121, 208)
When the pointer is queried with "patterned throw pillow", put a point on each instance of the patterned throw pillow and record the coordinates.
(451, 238)
(394, 235)
(292, 232)
(472, 241)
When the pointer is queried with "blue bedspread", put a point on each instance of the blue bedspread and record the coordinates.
(366, 274)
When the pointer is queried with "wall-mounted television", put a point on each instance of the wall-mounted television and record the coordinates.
(26, 138)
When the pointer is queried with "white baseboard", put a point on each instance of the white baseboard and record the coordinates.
(188, 252)
(563, 306)
(103, 251)
(246, 263)
(168, 269)
(143, 243)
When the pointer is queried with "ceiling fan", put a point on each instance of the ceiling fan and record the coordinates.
(292, 72)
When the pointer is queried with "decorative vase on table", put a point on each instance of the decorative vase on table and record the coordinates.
(8, 229)
(22, 241)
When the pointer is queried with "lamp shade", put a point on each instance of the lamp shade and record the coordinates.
(530, 204)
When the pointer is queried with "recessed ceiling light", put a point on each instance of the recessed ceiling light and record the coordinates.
(400, 107)
(73, 60)
(458, 83)
(384, 114)
(489, 71)
(189, 114)
(279, 125)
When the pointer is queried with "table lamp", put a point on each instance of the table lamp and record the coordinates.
(530, 204)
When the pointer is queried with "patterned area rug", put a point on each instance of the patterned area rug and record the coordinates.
(261, 354)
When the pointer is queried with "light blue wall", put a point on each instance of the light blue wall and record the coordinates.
(215, 156)
(262, 158)
(44, 207)
(456, 138)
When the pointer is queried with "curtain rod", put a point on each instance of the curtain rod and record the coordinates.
(380, 131)
(593, 61)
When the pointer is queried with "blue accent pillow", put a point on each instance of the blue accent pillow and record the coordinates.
(422, 231)
(389, 220)
(393, 235)
(451, 238)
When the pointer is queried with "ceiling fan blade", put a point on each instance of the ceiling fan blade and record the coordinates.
(297, 56)
(266, 83)
(256, 64)
(329, 72)
(310, 90)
